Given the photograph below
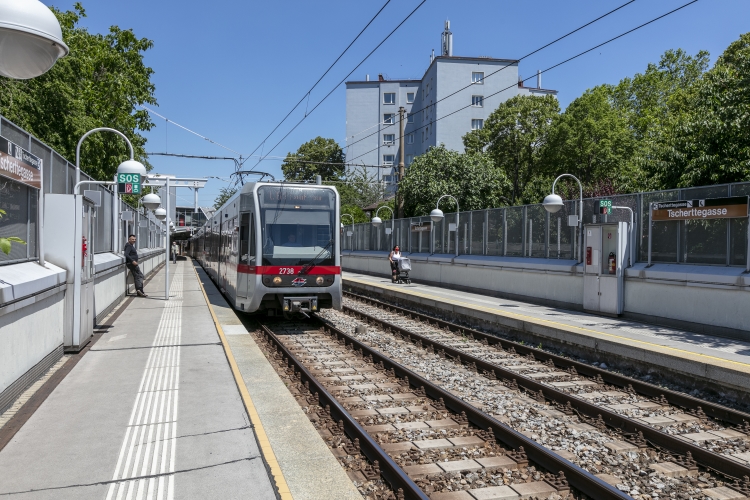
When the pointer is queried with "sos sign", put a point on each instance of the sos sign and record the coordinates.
(129, 183)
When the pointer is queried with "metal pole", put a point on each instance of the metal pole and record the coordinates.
(166, 247)
(630, 232)
(650, 224)
(40, 215)
(400, 197)
(100, 129)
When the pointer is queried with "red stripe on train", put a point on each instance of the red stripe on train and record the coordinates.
(286, 270)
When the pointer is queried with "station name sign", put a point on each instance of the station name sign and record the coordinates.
(714, 208)
(18, 164)
(421, 227)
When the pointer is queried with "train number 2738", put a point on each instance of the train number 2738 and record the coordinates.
(286, 270)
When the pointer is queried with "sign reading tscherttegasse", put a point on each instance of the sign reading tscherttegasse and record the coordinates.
(18, 164)
(715, 208)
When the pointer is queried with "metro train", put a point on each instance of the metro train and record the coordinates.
(274, 248)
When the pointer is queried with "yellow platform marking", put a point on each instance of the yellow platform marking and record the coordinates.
(265, 444)
(532, 319)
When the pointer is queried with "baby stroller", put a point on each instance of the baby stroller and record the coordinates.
(403, 266)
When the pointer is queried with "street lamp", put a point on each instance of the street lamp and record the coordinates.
(30, 39)
(152, 201)
(553, 203)
(437, 215)
(160, 213)
(377, 221)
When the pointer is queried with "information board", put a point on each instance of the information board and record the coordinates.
(714, 208)
(18, 164)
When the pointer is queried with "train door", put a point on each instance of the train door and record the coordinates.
(246, 263)
(232, 257)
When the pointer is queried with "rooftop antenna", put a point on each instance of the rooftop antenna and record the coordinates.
(447, 40)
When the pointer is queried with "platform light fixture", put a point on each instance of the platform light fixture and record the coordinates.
(160, 213)
(553, 203)
(30, 39)
(437, 215)
(151, 201)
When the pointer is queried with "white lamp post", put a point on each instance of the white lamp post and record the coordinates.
(377, 221)
(437, 215)
(30, 39)
(553, 203)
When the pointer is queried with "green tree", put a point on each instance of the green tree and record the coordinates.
(655, 103)
(101, 83)
(711, 142)
(470, 177)
(360, 187)
(514, 136)
(224, 194)
(319, 156)
(592, 140)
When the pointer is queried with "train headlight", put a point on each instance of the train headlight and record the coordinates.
(277, 280)
(319, 280)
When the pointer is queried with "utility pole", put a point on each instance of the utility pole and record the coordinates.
(399, 195)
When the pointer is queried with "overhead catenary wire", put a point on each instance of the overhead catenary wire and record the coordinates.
(191, 131)
(515, 61)
(344, 79)
(549, 68)
(307, 94)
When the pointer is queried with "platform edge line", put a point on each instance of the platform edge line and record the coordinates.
(263, 442)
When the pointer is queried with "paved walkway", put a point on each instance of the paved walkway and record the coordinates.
(718, 359)
(151, 411)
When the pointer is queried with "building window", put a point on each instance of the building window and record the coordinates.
(477, 101)
(388, 118)
(477, 77)
(477, 124)
(389, 98)
(388, 159)
(409, 97)
(410, 138)
(423, 136)
(410, 118)
(409, 159)
(389, 138)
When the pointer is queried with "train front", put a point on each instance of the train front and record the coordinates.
(296, 227)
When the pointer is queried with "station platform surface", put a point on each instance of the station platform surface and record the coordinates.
(154, 410)
(722, 361)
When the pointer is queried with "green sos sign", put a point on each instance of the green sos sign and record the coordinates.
(605, 206)
(129, 183)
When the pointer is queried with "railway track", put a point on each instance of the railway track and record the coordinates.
(421, 438)
(597, 400)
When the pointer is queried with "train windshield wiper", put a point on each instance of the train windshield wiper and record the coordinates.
(307, 267)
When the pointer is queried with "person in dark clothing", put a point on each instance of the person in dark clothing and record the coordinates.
(131, 260)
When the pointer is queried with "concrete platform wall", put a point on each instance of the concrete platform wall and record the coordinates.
(32, 314)
(706, 299)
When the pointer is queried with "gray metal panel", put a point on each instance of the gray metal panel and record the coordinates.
(609, 297)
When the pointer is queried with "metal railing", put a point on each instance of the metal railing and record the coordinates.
(530, 231)
(21, 212)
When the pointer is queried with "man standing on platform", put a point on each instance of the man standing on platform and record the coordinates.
(131, 260)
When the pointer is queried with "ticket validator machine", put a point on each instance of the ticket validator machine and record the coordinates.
(605, 258)
(70, 222)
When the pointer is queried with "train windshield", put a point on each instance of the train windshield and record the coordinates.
(297, 225)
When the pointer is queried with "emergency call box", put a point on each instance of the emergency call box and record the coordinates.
(606, 250)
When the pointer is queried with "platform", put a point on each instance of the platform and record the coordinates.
(700, 358)
(153, 410)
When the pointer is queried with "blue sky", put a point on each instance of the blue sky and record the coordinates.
(230, 69)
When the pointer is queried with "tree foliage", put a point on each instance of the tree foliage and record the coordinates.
(319, 156)
(514, 136)
(471, 177)
(101, 83)
(224, 194)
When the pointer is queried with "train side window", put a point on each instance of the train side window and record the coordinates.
(247, 238)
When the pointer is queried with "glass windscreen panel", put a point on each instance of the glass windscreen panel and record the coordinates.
(297, 225)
